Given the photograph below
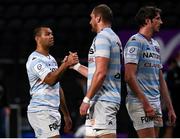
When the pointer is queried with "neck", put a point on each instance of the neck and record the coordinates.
(42, 51)
(146, 32)
(102, 26)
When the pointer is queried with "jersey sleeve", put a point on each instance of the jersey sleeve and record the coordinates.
(39, 68)
(102, 46)
(132, 51)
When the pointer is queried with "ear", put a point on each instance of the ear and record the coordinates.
(98, 19)
(147, 21)
(36, 38)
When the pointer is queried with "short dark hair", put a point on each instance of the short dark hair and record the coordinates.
(37, 30)
(146, 12)
(105, 12)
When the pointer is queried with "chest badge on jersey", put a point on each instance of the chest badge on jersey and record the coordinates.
(132, 50)
(39, 66)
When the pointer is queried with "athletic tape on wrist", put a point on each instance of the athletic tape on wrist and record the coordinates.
(76, 67)
(86, 100)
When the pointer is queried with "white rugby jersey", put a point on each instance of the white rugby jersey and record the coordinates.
(146, 54)
(106, 44)
(43, 96)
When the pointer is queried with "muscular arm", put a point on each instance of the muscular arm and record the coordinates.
(96, 83)
(54, 76)
(99, 76)
(130, 78)
(83, 70)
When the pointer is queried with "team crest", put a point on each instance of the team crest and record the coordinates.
(132, 50)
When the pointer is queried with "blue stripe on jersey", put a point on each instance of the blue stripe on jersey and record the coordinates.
(134, 43)
(114, 66)
(115, 55)
(113, 90)
(47, 96)
(148, 71)
(150, 81)
(102, 36)
(152, 93)
(106, 98)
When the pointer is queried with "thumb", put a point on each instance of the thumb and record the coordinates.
(70, 52)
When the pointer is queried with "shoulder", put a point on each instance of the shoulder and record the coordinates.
(108, 34)
(155, 42)
(134, 40)
(33, 59)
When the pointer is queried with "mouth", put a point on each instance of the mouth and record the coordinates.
(52, 40)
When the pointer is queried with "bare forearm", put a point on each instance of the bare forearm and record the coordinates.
(54, 76)
(83, 70)
(132, 82)
(96, 84)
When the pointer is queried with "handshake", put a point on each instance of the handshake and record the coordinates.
(72, 61)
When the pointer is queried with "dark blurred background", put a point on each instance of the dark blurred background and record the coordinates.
(69, 20)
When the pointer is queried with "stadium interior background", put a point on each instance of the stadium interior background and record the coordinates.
(69, 20)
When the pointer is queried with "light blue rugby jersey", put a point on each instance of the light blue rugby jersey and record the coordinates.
(106, 44)
(146, 54)
(43, 96)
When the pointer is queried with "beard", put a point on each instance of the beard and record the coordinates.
(94, 28)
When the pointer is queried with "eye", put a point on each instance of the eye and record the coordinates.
(158, 18)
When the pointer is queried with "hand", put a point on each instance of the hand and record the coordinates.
(68, 124)
(65, 59)
(72, 59)
(149, 111)
(83, 108)
(171, 117)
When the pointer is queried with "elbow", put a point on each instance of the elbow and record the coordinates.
(51, 83)
(101, 75)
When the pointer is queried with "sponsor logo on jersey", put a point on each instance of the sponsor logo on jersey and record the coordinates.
(146, 119)
(91, 51)
(152, 65)
(91, 59)
(151, 55)
(54, 126)
(117, 76)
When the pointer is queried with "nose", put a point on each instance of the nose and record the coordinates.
(90, 21)
(51, 36)
(161, 22)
